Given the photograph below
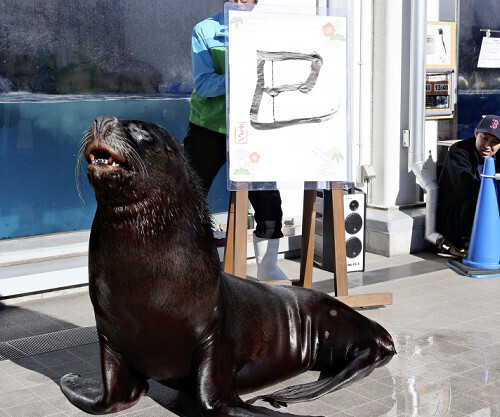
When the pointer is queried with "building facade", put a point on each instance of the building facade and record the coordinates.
(57, 75)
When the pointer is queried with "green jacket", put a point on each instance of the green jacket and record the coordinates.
(208, 100)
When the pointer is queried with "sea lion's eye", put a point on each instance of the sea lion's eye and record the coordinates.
(140, 134)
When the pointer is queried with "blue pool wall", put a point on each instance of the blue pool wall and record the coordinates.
(39, 142)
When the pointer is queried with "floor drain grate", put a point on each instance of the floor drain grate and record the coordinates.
(9, 352)
(49, 342)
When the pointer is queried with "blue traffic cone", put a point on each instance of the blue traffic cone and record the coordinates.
(484, 247)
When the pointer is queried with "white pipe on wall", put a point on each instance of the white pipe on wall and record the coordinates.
(355, 82)
(417, 115)
(365, 95)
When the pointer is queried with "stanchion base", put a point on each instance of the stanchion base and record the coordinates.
(472, 272)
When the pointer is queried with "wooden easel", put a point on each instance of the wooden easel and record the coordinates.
(235, 256)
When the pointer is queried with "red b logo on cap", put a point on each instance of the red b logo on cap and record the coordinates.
(494, 124)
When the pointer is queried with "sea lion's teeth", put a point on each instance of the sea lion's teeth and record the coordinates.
(92, 158)
(110, 160)
(115, 164)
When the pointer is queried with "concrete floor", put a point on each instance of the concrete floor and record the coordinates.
(445, 326)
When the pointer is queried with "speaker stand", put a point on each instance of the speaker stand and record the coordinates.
(235, 254)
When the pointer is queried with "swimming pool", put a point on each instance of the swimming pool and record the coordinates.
(39, 142)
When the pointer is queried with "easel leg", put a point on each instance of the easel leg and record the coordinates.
(339, 252)
(235, 254)
(229, 249)
(240, 237)
(307, 248)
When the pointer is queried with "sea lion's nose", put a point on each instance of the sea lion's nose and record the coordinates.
(101, 122)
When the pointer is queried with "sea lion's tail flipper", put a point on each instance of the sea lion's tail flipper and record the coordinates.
(360, 363)
(297, 393)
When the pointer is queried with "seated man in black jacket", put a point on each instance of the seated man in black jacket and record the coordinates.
(459, 184)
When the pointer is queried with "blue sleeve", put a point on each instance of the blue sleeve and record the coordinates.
(207, 82)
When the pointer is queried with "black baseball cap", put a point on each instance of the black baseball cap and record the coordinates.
(490, 124)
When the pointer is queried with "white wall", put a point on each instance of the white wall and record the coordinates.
(387, 90)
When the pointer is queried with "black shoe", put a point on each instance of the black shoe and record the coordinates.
(447, 249)
(462, 253)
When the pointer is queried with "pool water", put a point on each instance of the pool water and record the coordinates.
(39, 142)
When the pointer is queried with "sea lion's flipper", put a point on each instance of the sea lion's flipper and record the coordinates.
(359, 363)
(120, 388)
(296, 393)
(216, 388)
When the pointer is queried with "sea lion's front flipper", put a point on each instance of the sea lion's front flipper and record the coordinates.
(120, 387)
(358, 364)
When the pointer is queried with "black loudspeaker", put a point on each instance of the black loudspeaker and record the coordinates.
(354, 217)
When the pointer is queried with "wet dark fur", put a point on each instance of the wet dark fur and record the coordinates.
(165, 311)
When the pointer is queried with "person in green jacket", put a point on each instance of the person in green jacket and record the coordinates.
(205, 142)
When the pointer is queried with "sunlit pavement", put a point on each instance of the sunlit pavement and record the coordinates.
(446, 329)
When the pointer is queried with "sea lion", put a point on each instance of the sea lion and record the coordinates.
(164, 310)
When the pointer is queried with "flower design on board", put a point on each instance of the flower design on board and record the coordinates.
(254, 158)
(236, 21)
(245, 162)
(331, 30)
(331, 160)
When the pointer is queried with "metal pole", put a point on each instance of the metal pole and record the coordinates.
(417, 115)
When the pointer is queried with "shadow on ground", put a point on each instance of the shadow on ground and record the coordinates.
(50, 348)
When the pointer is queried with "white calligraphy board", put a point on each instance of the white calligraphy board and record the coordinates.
(287, 97)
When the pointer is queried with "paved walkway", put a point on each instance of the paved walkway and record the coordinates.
(446, 329)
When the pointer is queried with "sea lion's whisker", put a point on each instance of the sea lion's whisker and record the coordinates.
(78, 167)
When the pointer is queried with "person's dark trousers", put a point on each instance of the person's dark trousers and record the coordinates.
(467, 221)
(207, 151)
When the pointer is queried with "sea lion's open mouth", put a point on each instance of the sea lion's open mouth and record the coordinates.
(104, 157)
